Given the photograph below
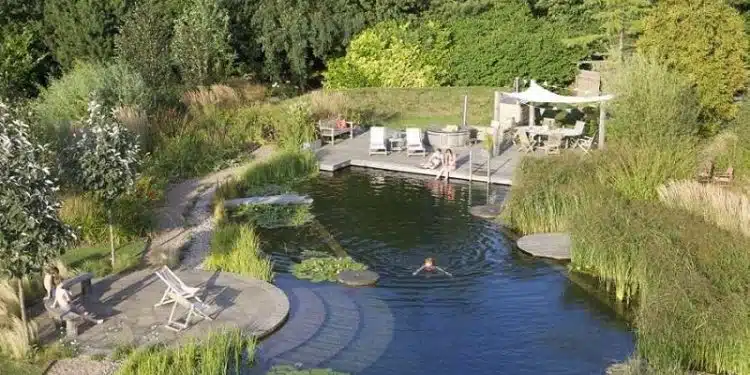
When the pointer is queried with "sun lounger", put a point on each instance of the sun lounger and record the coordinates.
(175, 287)
(192, 309)
(415, 142)
(378, 141)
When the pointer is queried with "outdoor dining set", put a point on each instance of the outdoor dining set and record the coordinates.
(551, 138)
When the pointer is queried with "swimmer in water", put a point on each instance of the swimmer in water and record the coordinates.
(429, 266)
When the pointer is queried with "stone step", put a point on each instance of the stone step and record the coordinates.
(306, 316)
(340, 327)
(375, 334)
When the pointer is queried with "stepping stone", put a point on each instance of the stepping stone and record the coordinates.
(271, 199)
(546, 245)
(358, 278)
(487, 211)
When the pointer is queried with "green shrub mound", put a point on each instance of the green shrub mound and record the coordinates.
(318, 269)
(273, 216)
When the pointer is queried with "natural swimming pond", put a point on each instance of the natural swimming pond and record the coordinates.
(502, 312)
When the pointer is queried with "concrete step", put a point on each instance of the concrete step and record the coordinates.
(375, 334)
(340, 327)
(307, 315)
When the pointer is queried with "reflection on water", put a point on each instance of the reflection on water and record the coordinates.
(502, 312)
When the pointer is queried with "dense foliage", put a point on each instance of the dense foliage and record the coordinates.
(494, 47)
(318, 269)
(705, 41)
(392, 55)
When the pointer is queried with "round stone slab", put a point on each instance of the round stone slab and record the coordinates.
(358, 278)
(486, 212)
(546, 245)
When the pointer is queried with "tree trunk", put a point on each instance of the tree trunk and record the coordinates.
(111, 239)
(22, 305)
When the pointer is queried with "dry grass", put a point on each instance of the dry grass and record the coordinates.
(16, 339)
(727, 209)
(133, 118)
(330, 104)
(210, 96)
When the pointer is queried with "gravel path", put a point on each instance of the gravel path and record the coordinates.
(82, 366)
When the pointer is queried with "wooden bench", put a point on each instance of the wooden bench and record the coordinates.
(330, 128)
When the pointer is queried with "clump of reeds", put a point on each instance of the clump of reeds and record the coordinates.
(330, 104)
(210, 96)
(236, 248)
(222, 352)
(16, 338)
(133, 118)
(727, 209)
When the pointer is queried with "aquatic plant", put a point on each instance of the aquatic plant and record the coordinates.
(220, 353)
(236, 248)
(273, 216)
(325, 269)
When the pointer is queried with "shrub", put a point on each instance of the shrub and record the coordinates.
(325, 269)
(66, 99)
(236, 248)
(494, 47)
(706, 42)
(651, 103)
(297, 128)
(392, 55)
(200, 46)
(220, 353)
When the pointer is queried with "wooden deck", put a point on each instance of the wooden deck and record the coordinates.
(354, 152)
(546, 245)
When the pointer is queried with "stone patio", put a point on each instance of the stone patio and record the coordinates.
(127, 305)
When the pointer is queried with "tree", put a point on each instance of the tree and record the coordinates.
(201, 46)
(619, 19)
(31, 233)
(82, 29)
(104, 160)
(704, 40)
(143, 43)
(297, 36)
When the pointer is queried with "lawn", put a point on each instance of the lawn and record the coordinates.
(96, 259)
(399, 107)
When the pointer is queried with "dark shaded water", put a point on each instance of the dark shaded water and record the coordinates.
(502, 312)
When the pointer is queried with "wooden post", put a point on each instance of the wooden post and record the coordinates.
(496, 112)
(466, 105)
(602, 126)
(471, 168)
(489, 158)
(517, 84)
(531, 114)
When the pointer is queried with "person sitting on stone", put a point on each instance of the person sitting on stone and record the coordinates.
(434, 161)
(429, 266)
(63, 300)
(50, 275)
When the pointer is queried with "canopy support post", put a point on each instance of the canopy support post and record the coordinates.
(602, 125)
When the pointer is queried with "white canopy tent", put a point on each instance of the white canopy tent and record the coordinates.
(538, 94)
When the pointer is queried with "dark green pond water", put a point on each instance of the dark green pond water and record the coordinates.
(502, 312)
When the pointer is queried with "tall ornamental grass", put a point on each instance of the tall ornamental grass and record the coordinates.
(236, 248)
(222, 352)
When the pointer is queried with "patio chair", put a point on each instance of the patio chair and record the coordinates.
(527, 144)
(585, 143)
(724, 178)
(175, 287)
(553, 143)
(414, 142)
(378, 140)
(705, 174)
(576, 132)
(516, 133)
(192, 308)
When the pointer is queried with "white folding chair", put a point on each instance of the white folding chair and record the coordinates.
(192, 308)
(414, 142)
(175, 287)
(378, 141)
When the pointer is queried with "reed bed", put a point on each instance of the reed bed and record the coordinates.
(222, 352)
(236, 248)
